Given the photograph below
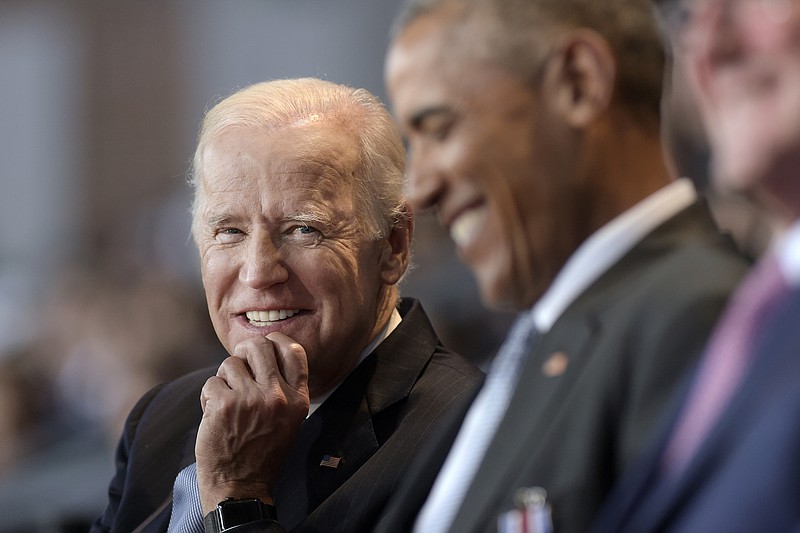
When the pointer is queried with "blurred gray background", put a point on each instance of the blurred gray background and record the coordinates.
(99, 285)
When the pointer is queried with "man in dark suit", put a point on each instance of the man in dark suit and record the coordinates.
(332, 382)
(734, 468)
(534, 131)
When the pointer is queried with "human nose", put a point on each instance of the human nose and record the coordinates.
(425, 185)
(263, 264)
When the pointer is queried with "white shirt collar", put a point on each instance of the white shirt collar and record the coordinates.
(607, 246)
(787, 248)
(394, 321)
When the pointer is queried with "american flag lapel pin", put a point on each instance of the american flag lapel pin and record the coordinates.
(532, 514)
(330, 461)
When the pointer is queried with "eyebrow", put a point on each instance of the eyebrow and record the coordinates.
(312, 216)
(218, 219)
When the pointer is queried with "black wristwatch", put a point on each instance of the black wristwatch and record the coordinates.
(232, 513)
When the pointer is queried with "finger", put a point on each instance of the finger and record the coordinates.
(291, 359)
(236, 372)
(214, 387)
(260, 357)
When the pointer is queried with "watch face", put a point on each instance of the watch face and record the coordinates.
(236, 512)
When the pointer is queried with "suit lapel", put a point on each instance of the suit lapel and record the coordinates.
(769, 360)
(629, 495)
(347, 426)
(514, 444)
(572, 335)
(646, 501)
(341, 430)
(158, 521)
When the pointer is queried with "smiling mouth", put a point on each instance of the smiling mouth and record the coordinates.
(467, 226)
(267, 318)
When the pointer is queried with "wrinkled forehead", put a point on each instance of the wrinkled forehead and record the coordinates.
(310, 148)
(280, 175)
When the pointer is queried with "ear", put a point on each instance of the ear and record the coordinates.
(579, 77)
(397, 253)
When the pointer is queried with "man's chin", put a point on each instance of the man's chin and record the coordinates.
(504, 297)
(492, 297)
(737, 168)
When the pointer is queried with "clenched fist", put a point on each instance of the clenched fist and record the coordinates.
(252, 411)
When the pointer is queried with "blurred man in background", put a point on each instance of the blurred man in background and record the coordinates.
(534, 130)
(729, 461)
(332, 381)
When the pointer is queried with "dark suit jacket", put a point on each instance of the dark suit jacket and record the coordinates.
(375, 421)
(627, 339)
(746, 476)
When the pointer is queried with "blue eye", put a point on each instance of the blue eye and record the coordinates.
(229, 235)
(305, 230)
(300, 232)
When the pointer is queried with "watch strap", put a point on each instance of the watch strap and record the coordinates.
(232, 513)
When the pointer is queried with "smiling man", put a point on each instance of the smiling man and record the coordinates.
(729, 459)
(332, 381)
(535, 135)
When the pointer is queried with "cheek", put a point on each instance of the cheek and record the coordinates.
(537, 231)
(330, 273)
(217, 270)
(213, 274)
(346, 291)
(768, 26)
(750, 131)
(350, 283)
(502, 250)
(461, 155)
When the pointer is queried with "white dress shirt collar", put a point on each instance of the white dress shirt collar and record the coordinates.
(787, 248)
(607, 246)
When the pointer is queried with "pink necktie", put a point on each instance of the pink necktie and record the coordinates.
(727, 356)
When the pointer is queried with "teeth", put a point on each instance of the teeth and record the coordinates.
(467, 225)
(263, 318)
